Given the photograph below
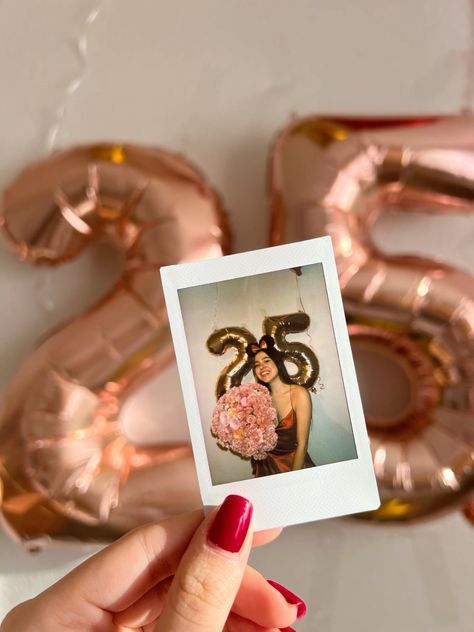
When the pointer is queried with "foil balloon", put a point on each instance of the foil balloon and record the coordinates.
(66, 469)
(278, 327)
(299, 354)
(412, 317)
(223, 340)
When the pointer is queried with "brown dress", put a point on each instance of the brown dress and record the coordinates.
(281, 458)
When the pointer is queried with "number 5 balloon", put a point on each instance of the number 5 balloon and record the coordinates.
(415, 314)
(299, 354)
(66, 469)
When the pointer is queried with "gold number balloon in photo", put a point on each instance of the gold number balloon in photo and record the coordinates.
(299, 354)
(221, 341)
(411, 319)
(66, 468)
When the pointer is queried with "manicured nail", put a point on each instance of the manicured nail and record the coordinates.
(231, 523)
(291, 598)
(287, 630)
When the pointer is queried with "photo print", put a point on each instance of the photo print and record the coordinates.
(267, 374)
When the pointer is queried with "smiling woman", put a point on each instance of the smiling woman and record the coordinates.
(293, 405)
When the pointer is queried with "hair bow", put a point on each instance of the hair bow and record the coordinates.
(265, 342)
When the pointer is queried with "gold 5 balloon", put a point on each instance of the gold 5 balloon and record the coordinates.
(66, 469)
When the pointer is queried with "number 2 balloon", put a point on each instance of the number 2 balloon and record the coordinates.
(66, 469)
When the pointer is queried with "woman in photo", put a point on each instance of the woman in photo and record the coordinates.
(293, 405)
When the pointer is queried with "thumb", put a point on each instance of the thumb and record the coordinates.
(210, 572)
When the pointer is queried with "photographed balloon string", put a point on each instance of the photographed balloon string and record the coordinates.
(318, 386)
(215, 306)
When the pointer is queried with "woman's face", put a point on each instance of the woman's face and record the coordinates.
(264, 367)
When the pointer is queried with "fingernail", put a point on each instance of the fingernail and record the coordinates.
(291, 598)
(231, 523)
(287, 630)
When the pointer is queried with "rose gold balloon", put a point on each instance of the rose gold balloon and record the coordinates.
(66, 469)
(415, 314)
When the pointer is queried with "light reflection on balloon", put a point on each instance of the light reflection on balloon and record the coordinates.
(66, 469)
(299, 354)
(336, 177)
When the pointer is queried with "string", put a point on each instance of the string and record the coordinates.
(302, 307)
(214, 311)
(261, 280)
(81, 49)
(298, 289)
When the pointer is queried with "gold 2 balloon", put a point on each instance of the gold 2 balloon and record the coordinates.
(409, 317)
(223, 340)
(66, 469)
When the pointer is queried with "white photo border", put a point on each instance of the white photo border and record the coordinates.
(314, 493)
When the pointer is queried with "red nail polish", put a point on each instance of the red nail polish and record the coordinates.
(231, 523)
(287, 630)
(291, 598)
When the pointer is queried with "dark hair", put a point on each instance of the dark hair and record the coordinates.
(277, 358)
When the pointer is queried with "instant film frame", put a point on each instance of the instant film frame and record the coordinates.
(294, 497)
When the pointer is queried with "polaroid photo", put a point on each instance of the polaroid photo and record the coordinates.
(269, 384)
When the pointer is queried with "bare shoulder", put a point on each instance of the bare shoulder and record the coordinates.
(299, 394)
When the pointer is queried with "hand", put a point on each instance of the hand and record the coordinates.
(185, 574)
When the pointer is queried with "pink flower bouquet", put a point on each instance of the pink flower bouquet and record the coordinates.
(244, 421)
